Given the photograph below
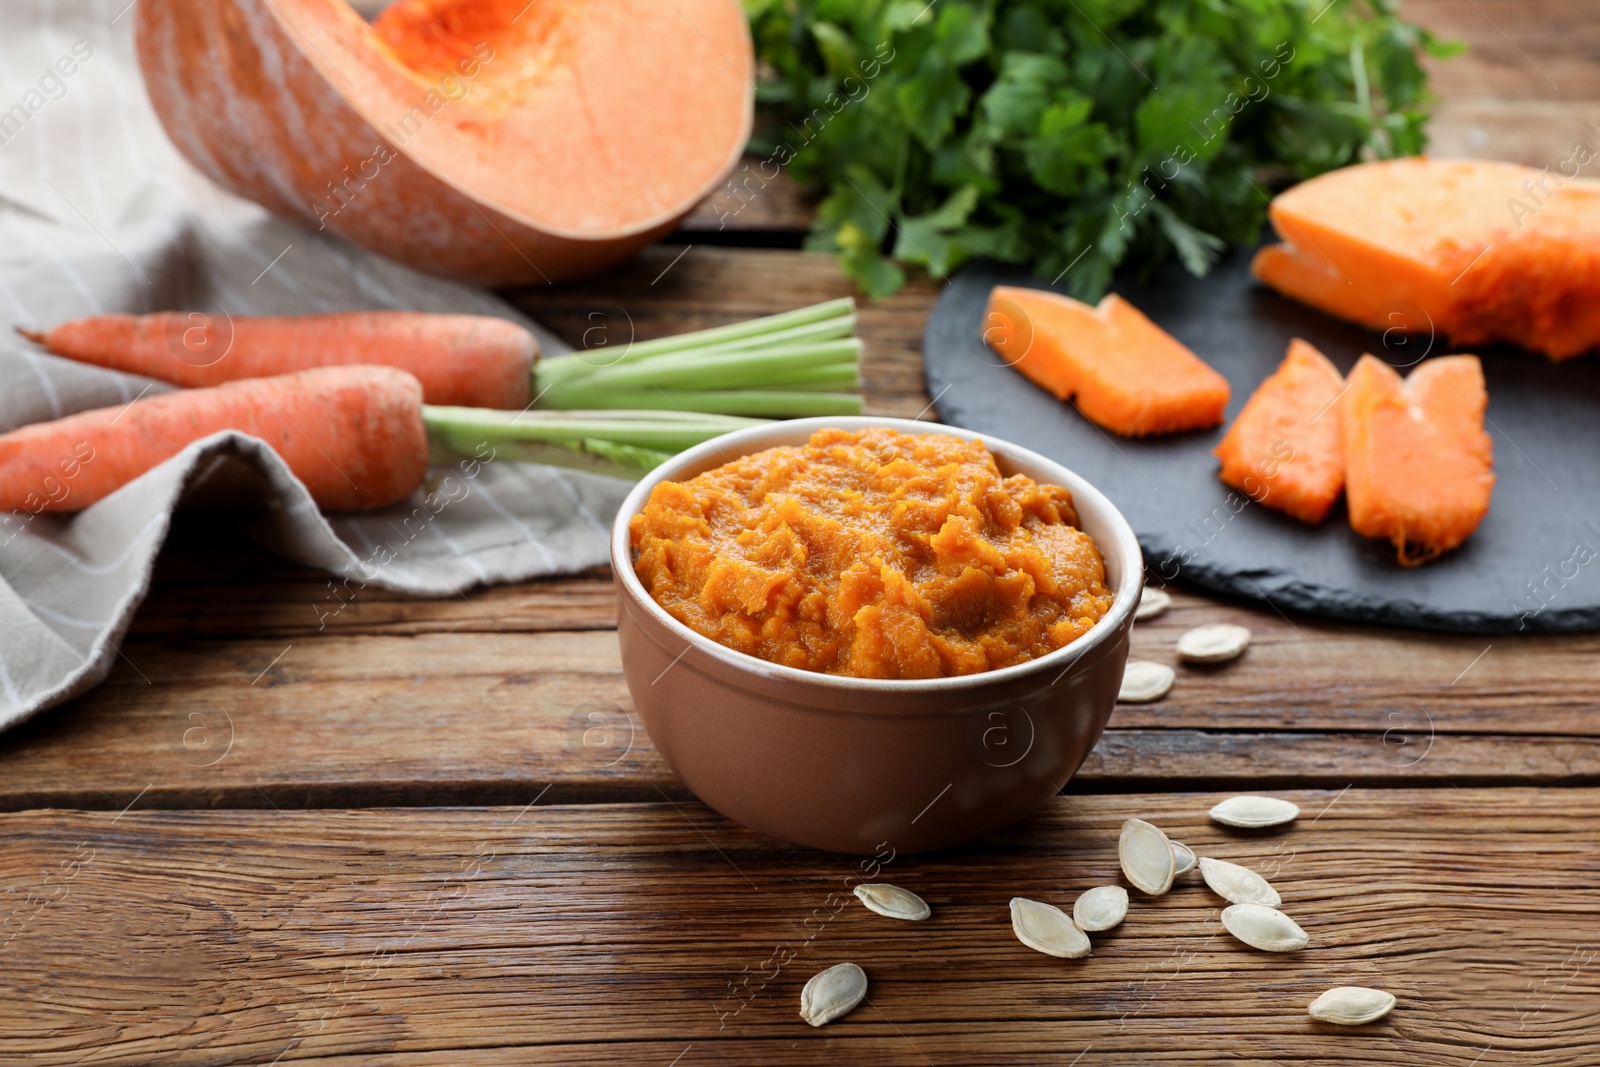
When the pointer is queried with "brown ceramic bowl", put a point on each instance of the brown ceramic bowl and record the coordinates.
(854, 764)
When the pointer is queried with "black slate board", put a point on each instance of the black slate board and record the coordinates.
(1533, 565)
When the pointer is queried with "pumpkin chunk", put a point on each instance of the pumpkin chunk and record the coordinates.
(1125, 372)
(1475, 250)
(1284, 450)
(1419, 467)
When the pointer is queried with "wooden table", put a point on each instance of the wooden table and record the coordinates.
(402, 839)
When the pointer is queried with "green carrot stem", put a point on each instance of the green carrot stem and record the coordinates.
(611, 415)
(828, 378)
(627, 455)
(766, 403)
(727, 370)
(466, 429)
(621, 461)
(552, 371)
(823, 330)
(750, 328)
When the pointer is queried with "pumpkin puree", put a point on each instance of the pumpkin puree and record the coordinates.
(874, 554)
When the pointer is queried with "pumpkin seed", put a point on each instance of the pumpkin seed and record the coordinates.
(1183, 858)
(1351, 1005)
(1214, 643)
(1239, 885)
(1267, 929)
(832, 992)
(1146, 857)
(1152, 602)
(1046, 928)
(1100, 908)
(1143, 682)
(1254, 812)
(891, 900)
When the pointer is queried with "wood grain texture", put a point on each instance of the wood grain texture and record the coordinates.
(1538, 133)
(489, 698)
(635, 932)
(280, 599)
(756, 200)
(442, 704)
(1525, 90)
(1516, 49)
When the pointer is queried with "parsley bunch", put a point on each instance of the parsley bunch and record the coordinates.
(1075, 136)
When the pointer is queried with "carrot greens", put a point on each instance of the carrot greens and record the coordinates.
(798, 363)
(623, 411)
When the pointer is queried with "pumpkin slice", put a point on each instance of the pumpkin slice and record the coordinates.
(1125, 372)
(1475, 250)
(1285, 450)
(1419, 467)
(499, 142)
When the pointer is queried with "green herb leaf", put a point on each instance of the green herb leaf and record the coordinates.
(1078, 138)
(859, 255)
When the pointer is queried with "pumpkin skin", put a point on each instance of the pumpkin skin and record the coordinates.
(602, 125)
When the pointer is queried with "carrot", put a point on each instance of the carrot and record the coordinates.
(1284, 450)
(1473, 249)
(1419, 467)
(1125, 372)
(461, 360)
(353, 435)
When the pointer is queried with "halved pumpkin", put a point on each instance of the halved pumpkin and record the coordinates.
(497, 142)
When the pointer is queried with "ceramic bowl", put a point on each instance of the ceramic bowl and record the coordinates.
(858, 765)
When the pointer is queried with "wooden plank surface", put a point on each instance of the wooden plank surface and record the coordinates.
(230, 695)
(648, 932)
(758, 201)
(1525, 90)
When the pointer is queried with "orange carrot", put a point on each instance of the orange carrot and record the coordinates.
(1126, 373)
(461, 360)
(1419, 467)
(1284, 450)
(353, 435)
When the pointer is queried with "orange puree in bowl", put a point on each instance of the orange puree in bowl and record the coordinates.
(875, 554)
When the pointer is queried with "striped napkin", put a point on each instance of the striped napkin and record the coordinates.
(98, 213)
